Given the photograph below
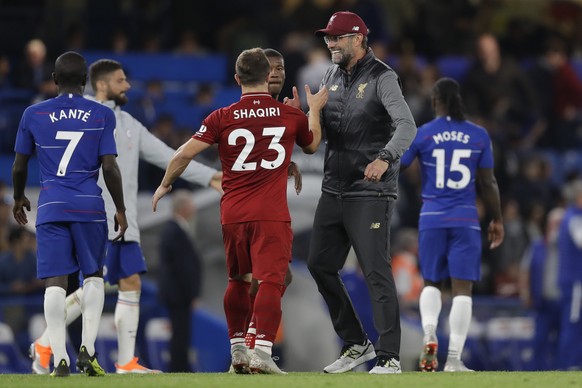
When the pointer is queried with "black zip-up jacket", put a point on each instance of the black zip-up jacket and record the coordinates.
(365, 113)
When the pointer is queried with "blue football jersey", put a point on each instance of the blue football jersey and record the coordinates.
(69, 134)
(450, 153)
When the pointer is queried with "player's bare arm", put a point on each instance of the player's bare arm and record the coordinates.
(182, 157)
(112, 177)
(490, 192)
(19, 175)
(316, 102)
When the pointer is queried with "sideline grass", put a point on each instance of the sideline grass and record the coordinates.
(304, 380)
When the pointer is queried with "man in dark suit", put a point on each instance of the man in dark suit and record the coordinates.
(179, 277)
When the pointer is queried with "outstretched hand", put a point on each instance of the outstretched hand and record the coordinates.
(318, 100)
(295, 102)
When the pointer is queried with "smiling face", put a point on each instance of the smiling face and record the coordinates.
(345, 49)
(276, 76)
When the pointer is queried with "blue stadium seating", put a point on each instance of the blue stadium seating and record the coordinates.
(167, 66)
(11, 359)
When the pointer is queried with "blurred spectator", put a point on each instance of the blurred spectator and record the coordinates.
(533, 184)
(407, 277)
(508, 255)
(570, 280)
(119, 41)
(75, 38)
(34, 72)
(538, 289)
(18, 265)
(498, 95)
(18, 278)
(180, 277)
(151, 42)
(417, 83)
(5, 81)
(6, 203)
(559, 89)
(317, 62)
(189, 43)
(147, 108)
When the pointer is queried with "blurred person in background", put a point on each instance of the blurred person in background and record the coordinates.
(454, 155)
(538, 290)
(34, 71)
(18, 264)
(570, 280)
(407, 277)
(6, 203)
(18, 278)
(559, 90)
(180, 277)
(499, 96)
(316, 64)
(125, 262)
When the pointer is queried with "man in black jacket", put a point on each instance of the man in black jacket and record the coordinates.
(368, 126)
(180, 277)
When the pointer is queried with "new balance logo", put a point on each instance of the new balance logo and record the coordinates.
(238, 334)
(375, 225)
(260, 336)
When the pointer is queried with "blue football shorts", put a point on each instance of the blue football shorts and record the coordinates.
(123, 260)
(450, 252)
(67, 247)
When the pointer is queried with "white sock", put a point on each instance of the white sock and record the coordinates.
(459, 321)
(73, 306)
(265, 346)
(430, 305)
(54, 314)
(92, 308)
(126, 322)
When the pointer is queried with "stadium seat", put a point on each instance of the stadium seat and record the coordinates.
(167, 66)
(11, 359)
(453, 67)
(210, 347)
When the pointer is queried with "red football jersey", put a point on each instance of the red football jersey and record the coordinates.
(255, 139)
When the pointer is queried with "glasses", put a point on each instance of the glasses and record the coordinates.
(330, 38)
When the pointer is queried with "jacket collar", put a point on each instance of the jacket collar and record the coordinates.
(108, 103)
(368, 58)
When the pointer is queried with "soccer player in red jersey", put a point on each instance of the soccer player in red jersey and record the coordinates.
(255, 138)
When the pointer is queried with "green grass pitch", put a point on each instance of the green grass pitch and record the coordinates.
(304, 379)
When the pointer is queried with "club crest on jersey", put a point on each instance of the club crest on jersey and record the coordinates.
(333, 88)
(257, 102)
(361, 90)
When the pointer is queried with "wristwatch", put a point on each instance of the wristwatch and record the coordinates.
(385, 155)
